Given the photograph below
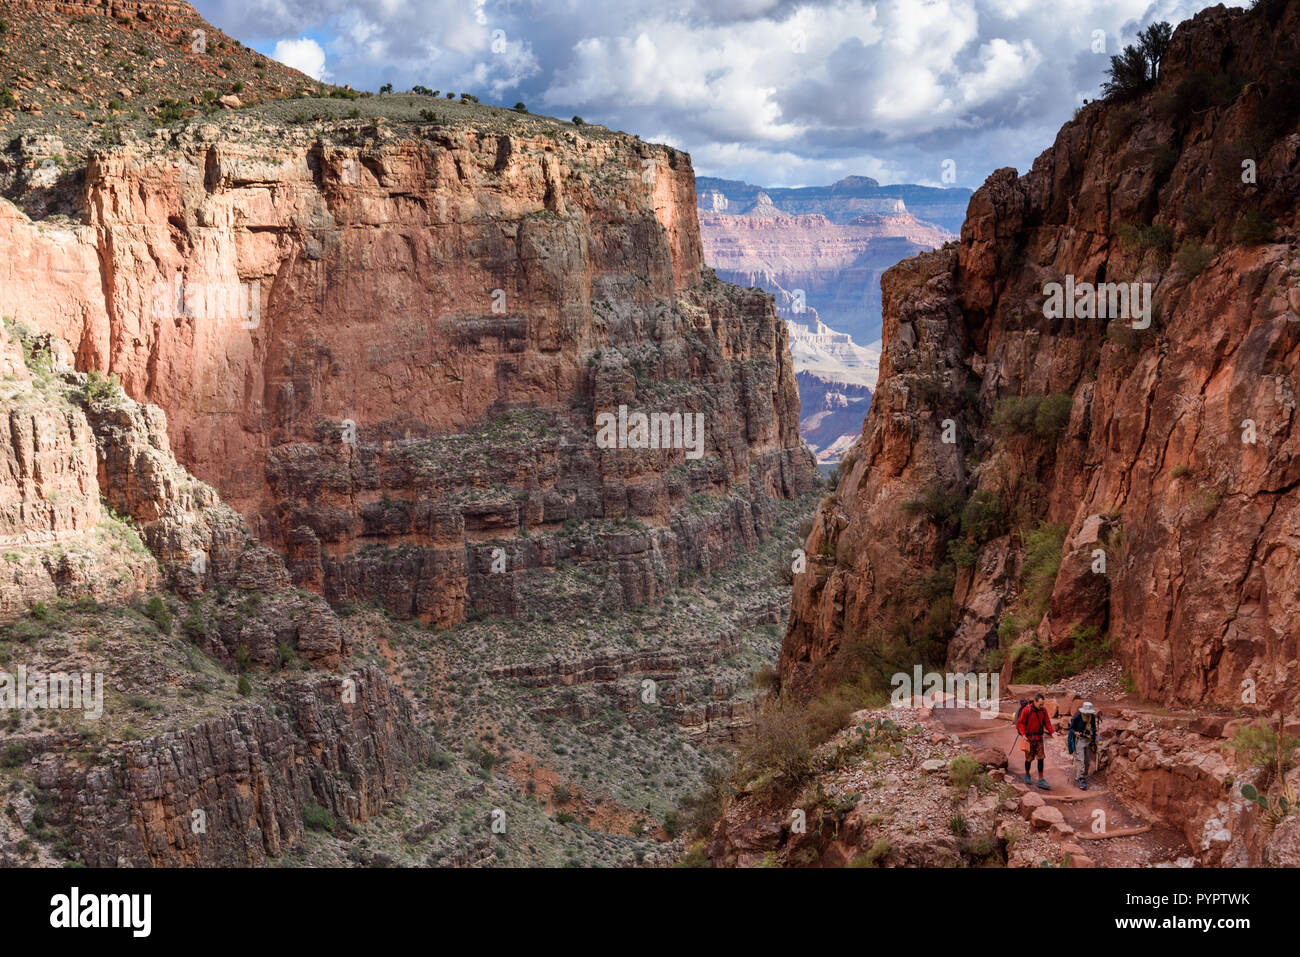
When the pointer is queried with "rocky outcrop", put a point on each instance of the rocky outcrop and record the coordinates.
(100, 509)
(232, 790)
(1160, 459)
(387, 349)
(63, 85)
(1181, 773)
(58, 539)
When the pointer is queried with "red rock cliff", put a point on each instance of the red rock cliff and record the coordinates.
(387, 349)
(1168, 449)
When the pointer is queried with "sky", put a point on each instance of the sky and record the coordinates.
(773, 92)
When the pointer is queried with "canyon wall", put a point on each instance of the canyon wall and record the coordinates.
(344, 745)
(1166, 450)
(386, 349)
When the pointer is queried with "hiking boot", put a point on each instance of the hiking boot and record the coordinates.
(1083, 785)
(1028, 779)
(1042, 783)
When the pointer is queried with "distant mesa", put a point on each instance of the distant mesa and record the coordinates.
(833, 242)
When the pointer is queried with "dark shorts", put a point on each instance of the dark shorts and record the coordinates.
(1033, 748)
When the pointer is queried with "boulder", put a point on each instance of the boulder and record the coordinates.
(1044, 817)
(1029, 803)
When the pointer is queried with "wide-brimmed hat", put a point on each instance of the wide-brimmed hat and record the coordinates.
(1087, 708)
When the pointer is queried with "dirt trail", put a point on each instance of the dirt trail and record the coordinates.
(1117, 837)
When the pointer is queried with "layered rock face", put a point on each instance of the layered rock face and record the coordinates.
(841, 202)
(98, 510)
(388, 351)
(231, 791)
(831, 242)
(836, 265)
(58, 539)
(1156, 463)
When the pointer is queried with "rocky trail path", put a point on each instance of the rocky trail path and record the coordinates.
(1092, 824)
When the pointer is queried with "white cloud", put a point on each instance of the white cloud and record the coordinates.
(768, 90)
(305, 55)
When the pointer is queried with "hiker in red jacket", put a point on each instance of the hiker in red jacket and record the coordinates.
(1033, 723)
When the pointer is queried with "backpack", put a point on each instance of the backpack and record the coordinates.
(1020, 711)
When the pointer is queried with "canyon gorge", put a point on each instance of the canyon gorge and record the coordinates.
(302, 386)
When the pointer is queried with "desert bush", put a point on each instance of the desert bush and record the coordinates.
(1193, 257)
(1042, 561)
(941, 505)
(1264, 747)
(700, 811)
(962, 771)
(317, 818)
(1156, 236)
(875, 855)
(983, 517)
(777, 741)
(1254, 227)
(157, 610)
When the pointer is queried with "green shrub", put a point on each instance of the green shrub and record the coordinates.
(97, 387)
(1259, 746)
(156, 609)
(245, 687)
(1193, 257)
(962, 771)
(317, 818)
(1015, 415)
(941, 504)
(872, 857)
(170, 110)
(195, 625)
(1157, 236)
(695, 857)
(1035, 664)
(983, 517)
(1254, 227)
(26, 631)
(14, 754)
(1053, 415)
(1042, 561)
